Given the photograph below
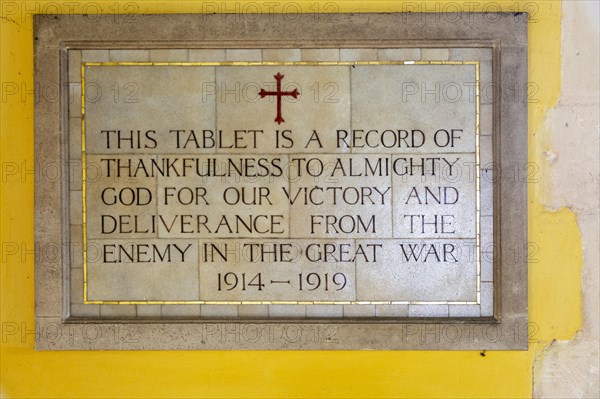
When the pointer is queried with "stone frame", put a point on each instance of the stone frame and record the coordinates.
(504, 33)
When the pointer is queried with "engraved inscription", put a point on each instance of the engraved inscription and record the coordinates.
(368, 191)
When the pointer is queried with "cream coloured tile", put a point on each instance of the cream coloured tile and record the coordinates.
(485, 119)
(464, 311)
(428, 311)
(287, 311)
(180, 310)
(75, 171)
(74, 138)
(117, 311)
(166, 55)
(75, 207)
(322, 105)
(251, 311)
(470, 54)
(489, 87)
(80, 310)
(487, 264)
(359, 310)
(419, 108)
(324, 311)
(151, 105)
(149, 311)
(391, 310)
(487, 231)
(399, 54)
(320, 54)
(243, 55)
(76, 281)
(129, 55)
(487, 299)
(206, 55)
(358, 54)
(74, 66)
(489, 252)
(218, 311)
(144, 270)
(487, 194)
(76, 246)
(435, 54)
(488, 174)
(95, 56)
(75, 100)
(287, 54)
(418, 270)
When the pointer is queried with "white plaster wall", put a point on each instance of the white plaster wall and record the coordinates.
(569, 369)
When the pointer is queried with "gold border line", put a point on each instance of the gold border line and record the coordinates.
(275, 63)
(294, 63)
(109, 302)
(83, 186)
(477, 184)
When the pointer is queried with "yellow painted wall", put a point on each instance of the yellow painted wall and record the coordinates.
(554, 279)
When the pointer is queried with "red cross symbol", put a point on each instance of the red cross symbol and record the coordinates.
(263, 93)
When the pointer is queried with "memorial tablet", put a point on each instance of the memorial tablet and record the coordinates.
(319, 185)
